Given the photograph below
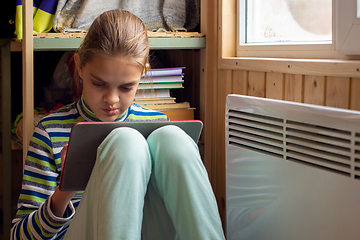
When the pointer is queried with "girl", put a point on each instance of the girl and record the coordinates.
(155, 188)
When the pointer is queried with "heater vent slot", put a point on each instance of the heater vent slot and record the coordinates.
(327, 148)
(324, 147)
(357, 155)
(255, 132)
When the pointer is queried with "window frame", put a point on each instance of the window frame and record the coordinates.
(342, 46)
(348, 27)
(223, 28)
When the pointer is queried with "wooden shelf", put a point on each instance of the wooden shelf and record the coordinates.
(71, 41)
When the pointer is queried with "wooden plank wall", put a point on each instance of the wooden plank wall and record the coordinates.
(338, 92)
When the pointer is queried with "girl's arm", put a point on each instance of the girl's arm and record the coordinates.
(60, 200)
(35, 218)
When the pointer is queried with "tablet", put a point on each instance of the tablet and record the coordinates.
(85, 137)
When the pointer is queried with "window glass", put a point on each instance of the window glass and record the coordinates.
(288, 21)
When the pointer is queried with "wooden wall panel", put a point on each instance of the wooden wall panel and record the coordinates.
(256, 86)
(209, 75)
(355, 94)
(314, 90)
(227, 13)
(240, 82)
(294, 87)
(224, 87)
(337, 92)
(275, 86)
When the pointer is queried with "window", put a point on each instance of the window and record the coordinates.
(298, 28)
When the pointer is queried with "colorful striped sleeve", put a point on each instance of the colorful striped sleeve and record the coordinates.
(138, 113)
(34, 219)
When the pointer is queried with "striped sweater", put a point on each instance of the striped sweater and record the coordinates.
(34, 219)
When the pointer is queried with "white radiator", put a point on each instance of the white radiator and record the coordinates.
(292, 170)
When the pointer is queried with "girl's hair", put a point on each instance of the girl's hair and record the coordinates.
(115, 33)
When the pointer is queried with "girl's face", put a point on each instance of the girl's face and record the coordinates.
(109, 84)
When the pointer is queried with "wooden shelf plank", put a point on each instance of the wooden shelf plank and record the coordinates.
(177, 43)
(158, 41)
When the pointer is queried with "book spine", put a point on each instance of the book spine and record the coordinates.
(164, 72)
(159, 86)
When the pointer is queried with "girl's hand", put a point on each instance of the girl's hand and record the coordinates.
(61, 199)
(63, 155)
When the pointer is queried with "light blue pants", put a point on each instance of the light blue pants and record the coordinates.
(155, 188)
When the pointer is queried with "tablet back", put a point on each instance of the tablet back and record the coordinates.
(85, 138)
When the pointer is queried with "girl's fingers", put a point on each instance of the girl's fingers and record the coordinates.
(63, 154)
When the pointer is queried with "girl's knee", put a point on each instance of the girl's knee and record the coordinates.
(170, 135)
(125, 145)
(123, 135)
(172, 146)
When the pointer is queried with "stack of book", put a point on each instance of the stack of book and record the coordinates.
(154, 93)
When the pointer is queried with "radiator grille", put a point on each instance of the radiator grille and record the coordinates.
(330, 149)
